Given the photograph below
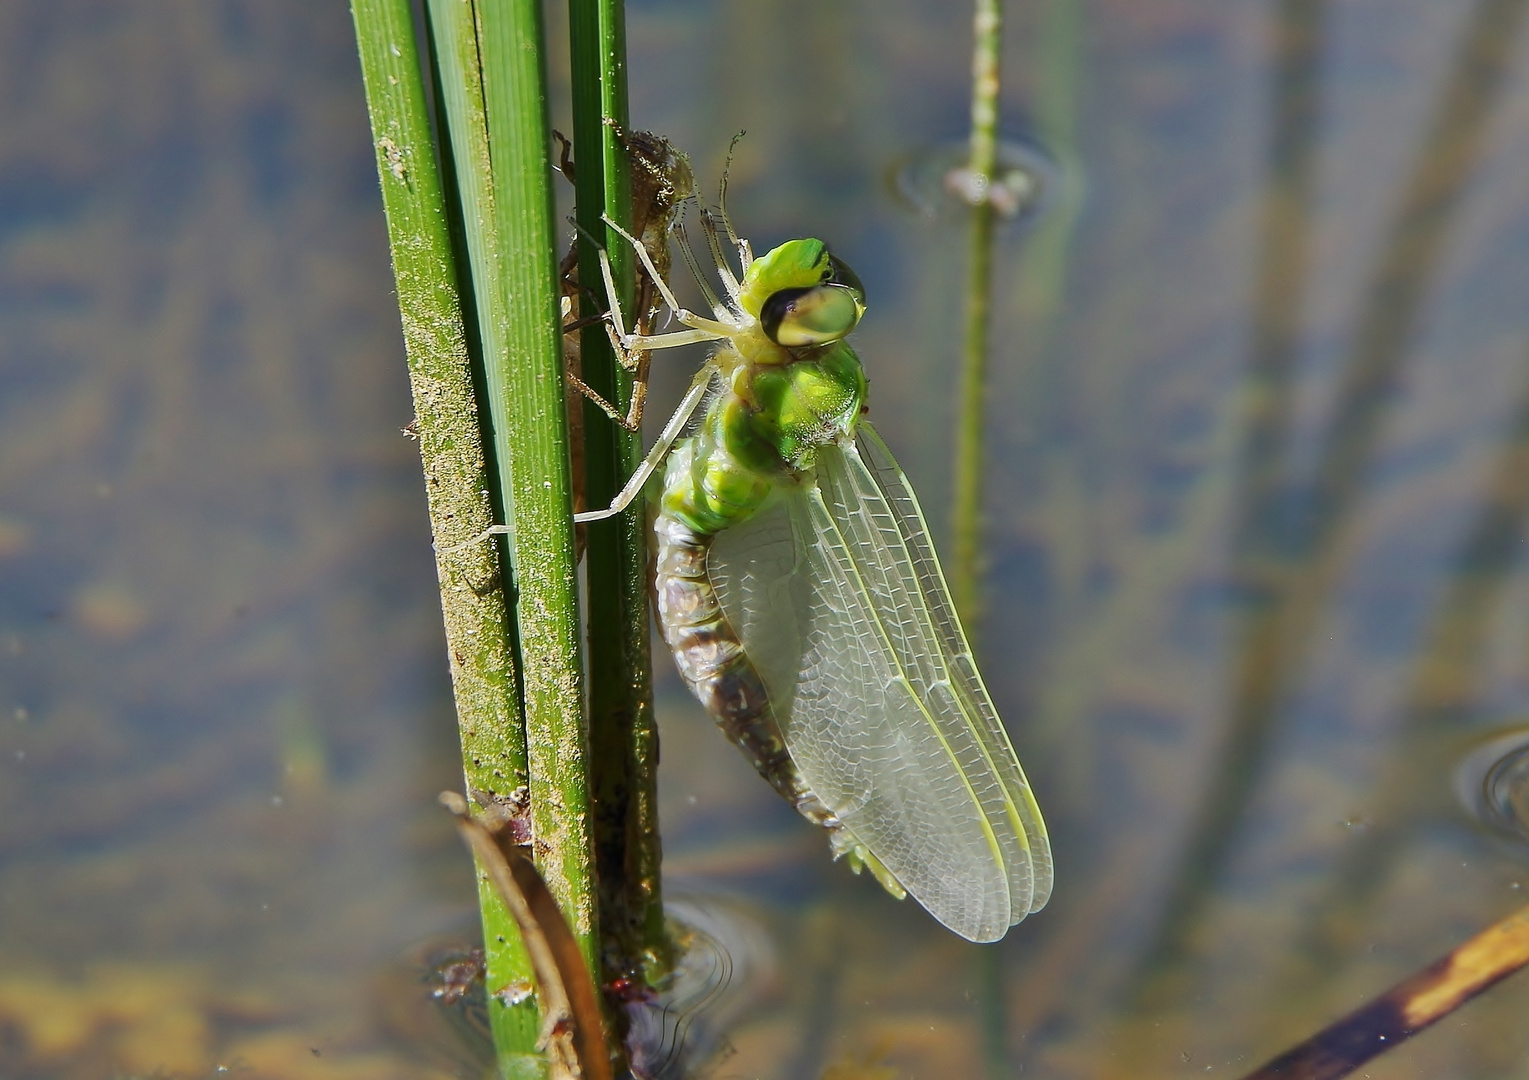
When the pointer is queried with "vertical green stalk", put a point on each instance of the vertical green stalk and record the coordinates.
(454, 35)
(525, 394)
(967, 482)
(473, 598)
(465, 143)
(623, 737)
(966, 527)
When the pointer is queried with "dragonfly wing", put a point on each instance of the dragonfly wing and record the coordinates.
(816, 586)
(974, 711)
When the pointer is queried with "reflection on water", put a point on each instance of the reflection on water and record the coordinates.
(1492, 782)
(724, 965)
(934, 182)
(1257, 510)
(1295, 537)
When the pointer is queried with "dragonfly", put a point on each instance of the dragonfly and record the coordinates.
(796, 584)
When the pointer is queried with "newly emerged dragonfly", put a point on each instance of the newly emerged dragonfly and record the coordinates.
(798, 589)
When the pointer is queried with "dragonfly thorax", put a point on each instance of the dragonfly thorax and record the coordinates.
(762, 432)
(813, 401)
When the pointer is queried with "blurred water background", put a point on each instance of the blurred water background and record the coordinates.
(1258, 479)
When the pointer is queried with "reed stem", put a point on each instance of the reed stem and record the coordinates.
(525, 398)
(966, 510)
(966, 524)
(479, 632)
(623, 736)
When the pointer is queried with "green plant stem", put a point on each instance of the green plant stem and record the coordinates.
(473, 599)
(623, 737)
(966, 511)
(967, 483)
(454, 34)
(526, 399)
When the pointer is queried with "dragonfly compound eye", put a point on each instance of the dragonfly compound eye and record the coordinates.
(798, 318)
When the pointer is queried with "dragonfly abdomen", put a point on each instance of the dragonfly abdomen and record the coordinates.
(710, 657)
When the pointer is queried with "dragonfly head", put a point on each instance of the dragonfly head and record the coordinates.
(803, 295)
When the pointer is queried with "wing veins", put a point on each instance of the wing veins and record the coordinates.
(975, 704)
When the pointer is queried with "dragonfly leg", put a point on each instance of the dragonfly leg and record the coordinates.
(655, 458)
(660, 449)
(845, 844)
(714, 242)
(631, 349)
(682, 241)
(633, 360)
(706, 329)
(492, 530)
(632, 421)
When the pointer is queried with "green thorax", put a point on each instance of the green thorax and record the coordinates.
(762, 432)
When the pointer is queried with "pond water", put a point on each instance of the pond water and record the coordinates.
(1257, 485)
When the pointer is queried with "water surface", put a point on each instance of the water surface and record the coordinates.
(1256, 508)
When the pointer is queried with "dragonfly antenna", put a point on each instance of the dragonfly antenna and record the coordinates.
(745, 253)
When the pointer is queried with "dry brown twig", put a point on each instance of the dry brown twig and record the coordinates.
(573, 1035)
(1408, 1007)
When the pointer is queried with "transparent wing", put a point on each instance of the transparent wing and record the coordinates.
(976, 707)
(876, 694)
